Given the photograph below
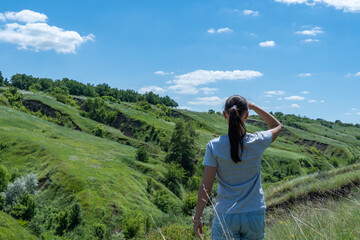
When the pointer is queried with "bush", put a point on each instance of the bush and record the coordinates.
(131, 223)
(174, 176)
(335, 162)
(161, 200)
(62, 223)
(75, 216)
(18, 210)
(100, 230)
(99, 131)
(35, 87)
(3, 178)
(189, 202)
(141, 154)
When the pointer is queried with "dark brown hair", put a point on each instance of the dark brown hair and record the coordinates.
(236, 106)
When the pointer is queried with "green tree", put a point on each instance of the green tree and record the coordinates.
(141, 154)
(182, 150)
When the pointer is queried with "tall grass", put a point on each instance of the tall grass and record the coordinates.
(322, 219)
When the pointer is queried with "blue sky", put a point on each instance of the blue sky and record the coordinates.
(293, 56)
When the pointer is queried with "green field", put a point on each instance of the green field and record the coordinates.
(115, 191)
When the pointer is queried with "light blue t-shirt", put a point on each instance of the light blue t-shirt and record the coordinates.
(239, 184)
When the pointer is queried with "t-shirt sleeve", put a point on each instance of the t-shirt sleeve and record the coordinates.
(209, 159)
(265, 138)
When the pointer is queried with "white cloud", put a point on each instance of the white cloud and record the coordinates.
(245, 12)
(294, 105)
(311, 32)
(268, 95)
(312, 101)
(26, 16)
(267, 101)
(219, 30)
(163, 73)
(353, 75)
(279, 99)
(322, 101)
(291, 1)
(358, 113)
(267, 44)
(187, 83)
(309, 40)
(347, 113)
(295, 98)
(250, 12)
(2, 17)
(154, 89)
(305, 92)
(207, 90)
(274, 92)
(211, 31)
(209, 101)
(39, 36)
(304, 75)
(353, 109)
(345, 5)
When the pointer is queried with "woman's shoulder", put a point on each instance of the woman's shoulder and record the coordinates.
(260, 136)
(223, 139)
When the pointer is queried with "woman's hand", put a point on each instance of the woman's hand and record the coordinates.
(197, 227)
(250, 105)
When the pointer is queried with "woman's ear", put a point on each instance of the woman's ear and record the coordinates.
(246, 116)
(224, 114)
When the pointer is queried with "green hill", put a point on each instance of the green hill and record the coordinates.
(119, 194)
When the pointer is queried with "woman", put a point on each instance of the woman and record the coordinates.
(235, 160)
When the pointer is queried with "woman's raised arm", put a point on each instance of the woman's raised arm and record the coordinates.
(270, 120)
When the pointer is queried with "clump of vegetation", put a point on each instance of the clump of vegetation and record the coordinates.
(99, 131)
(62, 95)
(182, 146)
(141, 154)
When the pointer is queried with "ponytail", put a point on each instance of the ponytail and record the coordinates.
(237, 129)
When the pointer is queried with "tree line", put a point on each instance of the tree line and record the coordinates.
(73, 87)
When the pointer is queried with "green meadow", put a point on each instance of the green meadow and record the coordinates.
(310, 174)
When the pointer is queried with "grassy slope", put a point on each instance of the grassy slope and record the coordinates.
(98, 171)
(323, 219)
(75, 160)
(11, 229)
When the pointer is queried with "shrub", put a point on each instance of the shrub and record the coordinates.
(75, 216)
(99, 131)
(131, 223)
(141, 154)
(189, 202)
(100, 230)
(18, 210)
(14, 191)
(162, 201)
(35, 87)
(174, 176)
(194, 183)
(3, 178)
(2, 202)
(4, 101)
(62, 223)
(335, 162)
